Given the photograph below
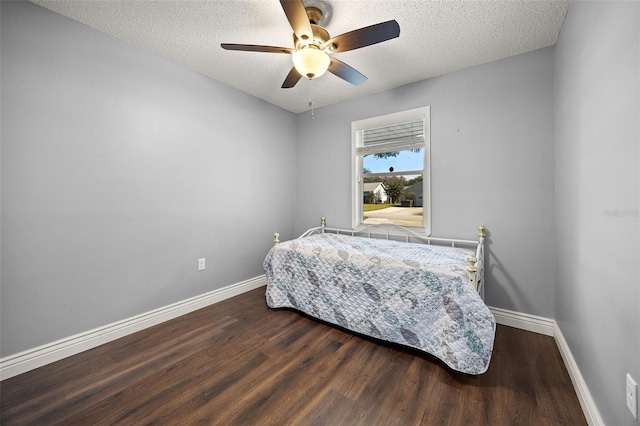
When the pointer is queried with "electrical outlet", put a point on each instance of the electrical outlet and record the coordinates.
(632, 395)
(201, 264)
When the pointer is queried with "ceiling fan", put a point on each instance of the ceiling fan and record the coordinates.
(312, 44)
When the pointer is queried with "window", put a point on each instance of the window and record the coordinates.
(391, 170)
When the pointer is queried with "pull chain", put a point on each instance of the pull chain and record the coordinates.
(311, 99)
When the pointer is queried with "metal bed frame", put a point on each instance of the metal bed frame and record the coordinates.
(475, 264)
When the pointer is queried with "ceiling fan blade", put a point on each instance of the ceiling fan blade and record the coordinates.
(345, 72)
(292, 78)
(364, 37)
(255, 48)
(298, 19)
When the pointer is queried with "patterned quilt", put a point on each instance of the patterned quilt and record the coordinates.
(412, 294)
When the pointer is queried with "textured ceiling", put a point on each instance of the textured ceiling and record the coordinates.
(436, 37)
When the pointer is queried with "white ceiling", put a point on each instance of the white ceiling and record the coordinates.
(436, 37)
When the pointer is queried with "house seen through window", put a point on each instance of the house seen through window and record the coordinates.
(391, 171)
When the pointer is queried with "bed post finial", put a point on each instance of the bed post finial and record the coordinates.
(323, 223)
(481, 233)
(276, 238)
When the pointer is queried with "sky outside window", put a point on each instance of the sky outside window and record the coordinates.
(406, 160)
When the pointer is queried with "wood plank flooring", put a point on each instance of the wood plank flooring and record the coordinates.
(240, 363)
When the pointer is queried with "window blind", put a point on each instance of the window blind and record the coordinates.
(395, 137)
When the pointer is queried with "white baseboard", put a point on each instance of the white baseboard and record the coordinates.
(526, 322)
(584, 396)
(33, 358)
(549, 327)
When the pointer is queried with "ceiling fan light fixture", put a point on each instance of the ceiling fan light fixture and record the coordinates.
(310, 61)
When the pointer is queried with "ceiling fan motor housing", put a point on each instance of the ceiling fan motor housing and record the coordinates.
(320, 37)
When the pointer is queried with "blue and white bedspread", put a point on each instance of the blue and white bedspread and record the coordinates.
(412, 294)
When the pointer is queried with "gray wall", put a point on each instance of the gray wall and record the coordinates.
(119, 170)
(492, 164)
(597, 197)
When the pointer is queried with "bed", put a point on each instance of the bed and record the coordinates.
(389, 283)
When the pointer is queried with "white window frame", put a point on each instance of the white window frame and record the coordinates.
(423, 113)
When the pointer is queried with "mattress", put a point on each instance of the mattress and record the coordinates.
(410, 294)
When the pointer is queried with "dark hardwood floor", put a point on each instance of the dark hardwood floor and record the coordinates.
(240, 363)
